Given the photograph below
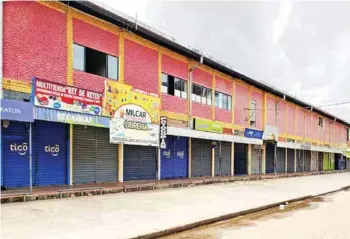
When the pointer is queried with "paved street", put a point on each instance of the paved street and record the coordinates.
(320, 220)
(133, 214)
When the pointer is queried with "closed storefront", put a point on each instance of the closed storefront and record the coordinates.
(15, 154)
(270, 155)
(290, 160)
(174, 159)
(223, 159)
(94, 158)
(281, 159)
(241, 157)
(300, 160)
(50, 154)
(256, 159)
(326, 161)
(314, 161)
(140, 162)
(331, 161)
(320, 161)
(201, 157)
(307, 159)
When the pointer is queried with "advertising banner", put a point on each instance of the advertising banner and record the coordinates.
(163, 131)
(134, 115)
(208, 126)
(69, 98)
(253, 133)
(16, 110)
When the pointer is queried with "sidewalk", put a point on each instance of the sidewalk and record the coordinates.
(133, 214)
(44, 193)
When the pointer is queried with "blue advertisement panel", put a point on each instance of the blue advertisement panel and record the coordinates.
(253, 133)
(16, 110)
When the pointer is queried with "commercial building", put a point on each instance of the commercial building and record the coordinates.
(219, 122)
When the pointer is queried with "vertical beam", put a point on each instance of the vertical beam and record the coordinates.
(213, 162)
(265, 110)
(249, 164)
(121, 56)
(1, 46)
(263, 159)
(232, 158)
(71, 154)
(213, 95)
(189, 157)
(295, 160)
(286, 161)
(69, 47)
(120, 162)
(158, 164)
(233, 101)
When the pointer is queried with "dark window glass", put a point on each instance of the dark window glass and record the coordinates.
(184, 89)
(177, 87)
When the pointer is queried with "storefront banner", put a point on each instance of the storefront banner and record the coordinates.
(253, 133)
(118, 95)
(16, 110)
(208, 126)
(135, 116)
(63, 97)
(163, 131)
(71, 117)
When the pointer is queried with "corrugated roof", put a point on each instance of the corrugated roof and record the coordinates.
(128, 23)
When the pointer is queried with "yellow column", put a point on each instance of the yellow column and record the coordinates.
(286, 161)
(71, 154)
(249, 164)
(213, 162)
(263, 160)
(69, 48)
(120, 162)
(121, 56)
(189, 157)
(232, 158)
(213, 95)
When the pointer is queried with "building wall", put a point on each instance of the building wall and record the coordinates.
(258, 97)
(270, 110)
(300, 117)
(281, 117)
(224, 86)
(203, 78)
(241, 105)
(291, 114)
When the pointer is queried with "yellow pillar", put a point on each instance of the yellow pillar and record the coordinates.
(263, 160)
(249, 164)
(120, 162)
(232, 158)
(286, 161)
(189, 157)
(213, 162)
(71, 154)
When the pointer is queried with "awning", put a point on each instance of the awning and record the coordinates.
(326, 150)
(70, 117)
(346, 154)
(288, 145)
(16, 110)
(211, 136)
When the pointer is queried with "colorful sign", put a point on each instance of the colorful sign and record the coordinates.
(16, 110)
(69, 98)
(135, 115)
(253, 133)
(208, 126)
(163, 131)
(71, 117)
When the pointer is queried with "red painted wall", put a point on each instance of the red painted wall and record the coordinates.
(258, 97)
(174, 67)
(281, 117)
(88, 81)
(95, 38)
(201, 110)
(34, 41)
(241, 105)
(223, 115)
(224, 86)
(174, 104)
(270, 111)
(300, 122)
(202, 78)
(141, 67)
(314, 126)
(291, 119)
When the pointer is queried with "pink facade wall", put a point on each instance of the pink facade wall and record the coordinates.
(174, 104)
(223, 115)
(270, 111)
(291, 119)
(201, 110)
(224, 86)
(300, 117)
(281, 117)
(241, 105)
(174, 67)
(258, 97)
(202, 78)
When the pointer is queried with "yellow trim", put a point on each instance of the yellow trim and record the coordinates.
(173, 115)
(139, 40)
(256, 90)
(16, 85)
(97, 22)
(241, 83)
(160, 76)
(120, 162)
(189, 157)
(271, 95)
(238, 127)
(71, 154)
(54, 5)
(70, 80)
(201, 67)
(121, 57)
(223, 76)
(173, 55)
(233, 101)
(213, 86)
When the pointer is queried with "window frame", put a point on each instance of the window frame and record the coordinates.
(321, 122)
(252, 118)
(347, 134)
(183, 83)
(208, 92)
(220, 99)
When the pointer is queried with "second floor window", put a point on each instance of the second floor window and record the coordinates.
(95, 62)
(223, 101)
(201, 94)
(174, 86)
(253, 113)
(320, 122)
(347, 134)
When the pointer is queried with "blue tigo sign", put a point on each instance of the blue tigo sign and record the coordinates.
(71, 117)
(253, 133)
(16, 110)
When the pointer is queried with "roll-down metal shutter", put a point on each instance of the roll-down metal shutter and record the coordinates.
(300, 161)
(167, 159)
(270, 154)
(281, 159)
(201, 158)
(290, 160)
(256, 160)
(240, 159)
(50, 154)
(332, 161)
(320, 161)
(314, 161)
(307, 156)
(223, 161)
(148, 162)
(15, 155)
(180, 157)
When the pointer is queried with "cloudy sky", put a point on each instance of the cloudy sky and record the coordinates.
(302, 48)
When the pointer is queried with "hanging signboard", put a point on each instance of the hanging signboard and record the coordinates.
(63, 97)
(134, 115)
(163, 131)
(253, 133)
(208, 126)
(16, 110)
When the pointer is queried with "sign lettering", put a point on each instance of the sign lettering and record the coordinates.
(163, 131)
(20, 148)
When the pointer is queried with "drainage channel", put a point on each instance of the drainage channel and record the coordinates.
(243, 219)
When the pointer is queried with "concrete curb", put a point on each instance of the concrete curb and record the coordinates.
(190, 226)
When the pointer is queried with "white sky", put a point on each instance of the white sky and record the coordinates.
(302, 48)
